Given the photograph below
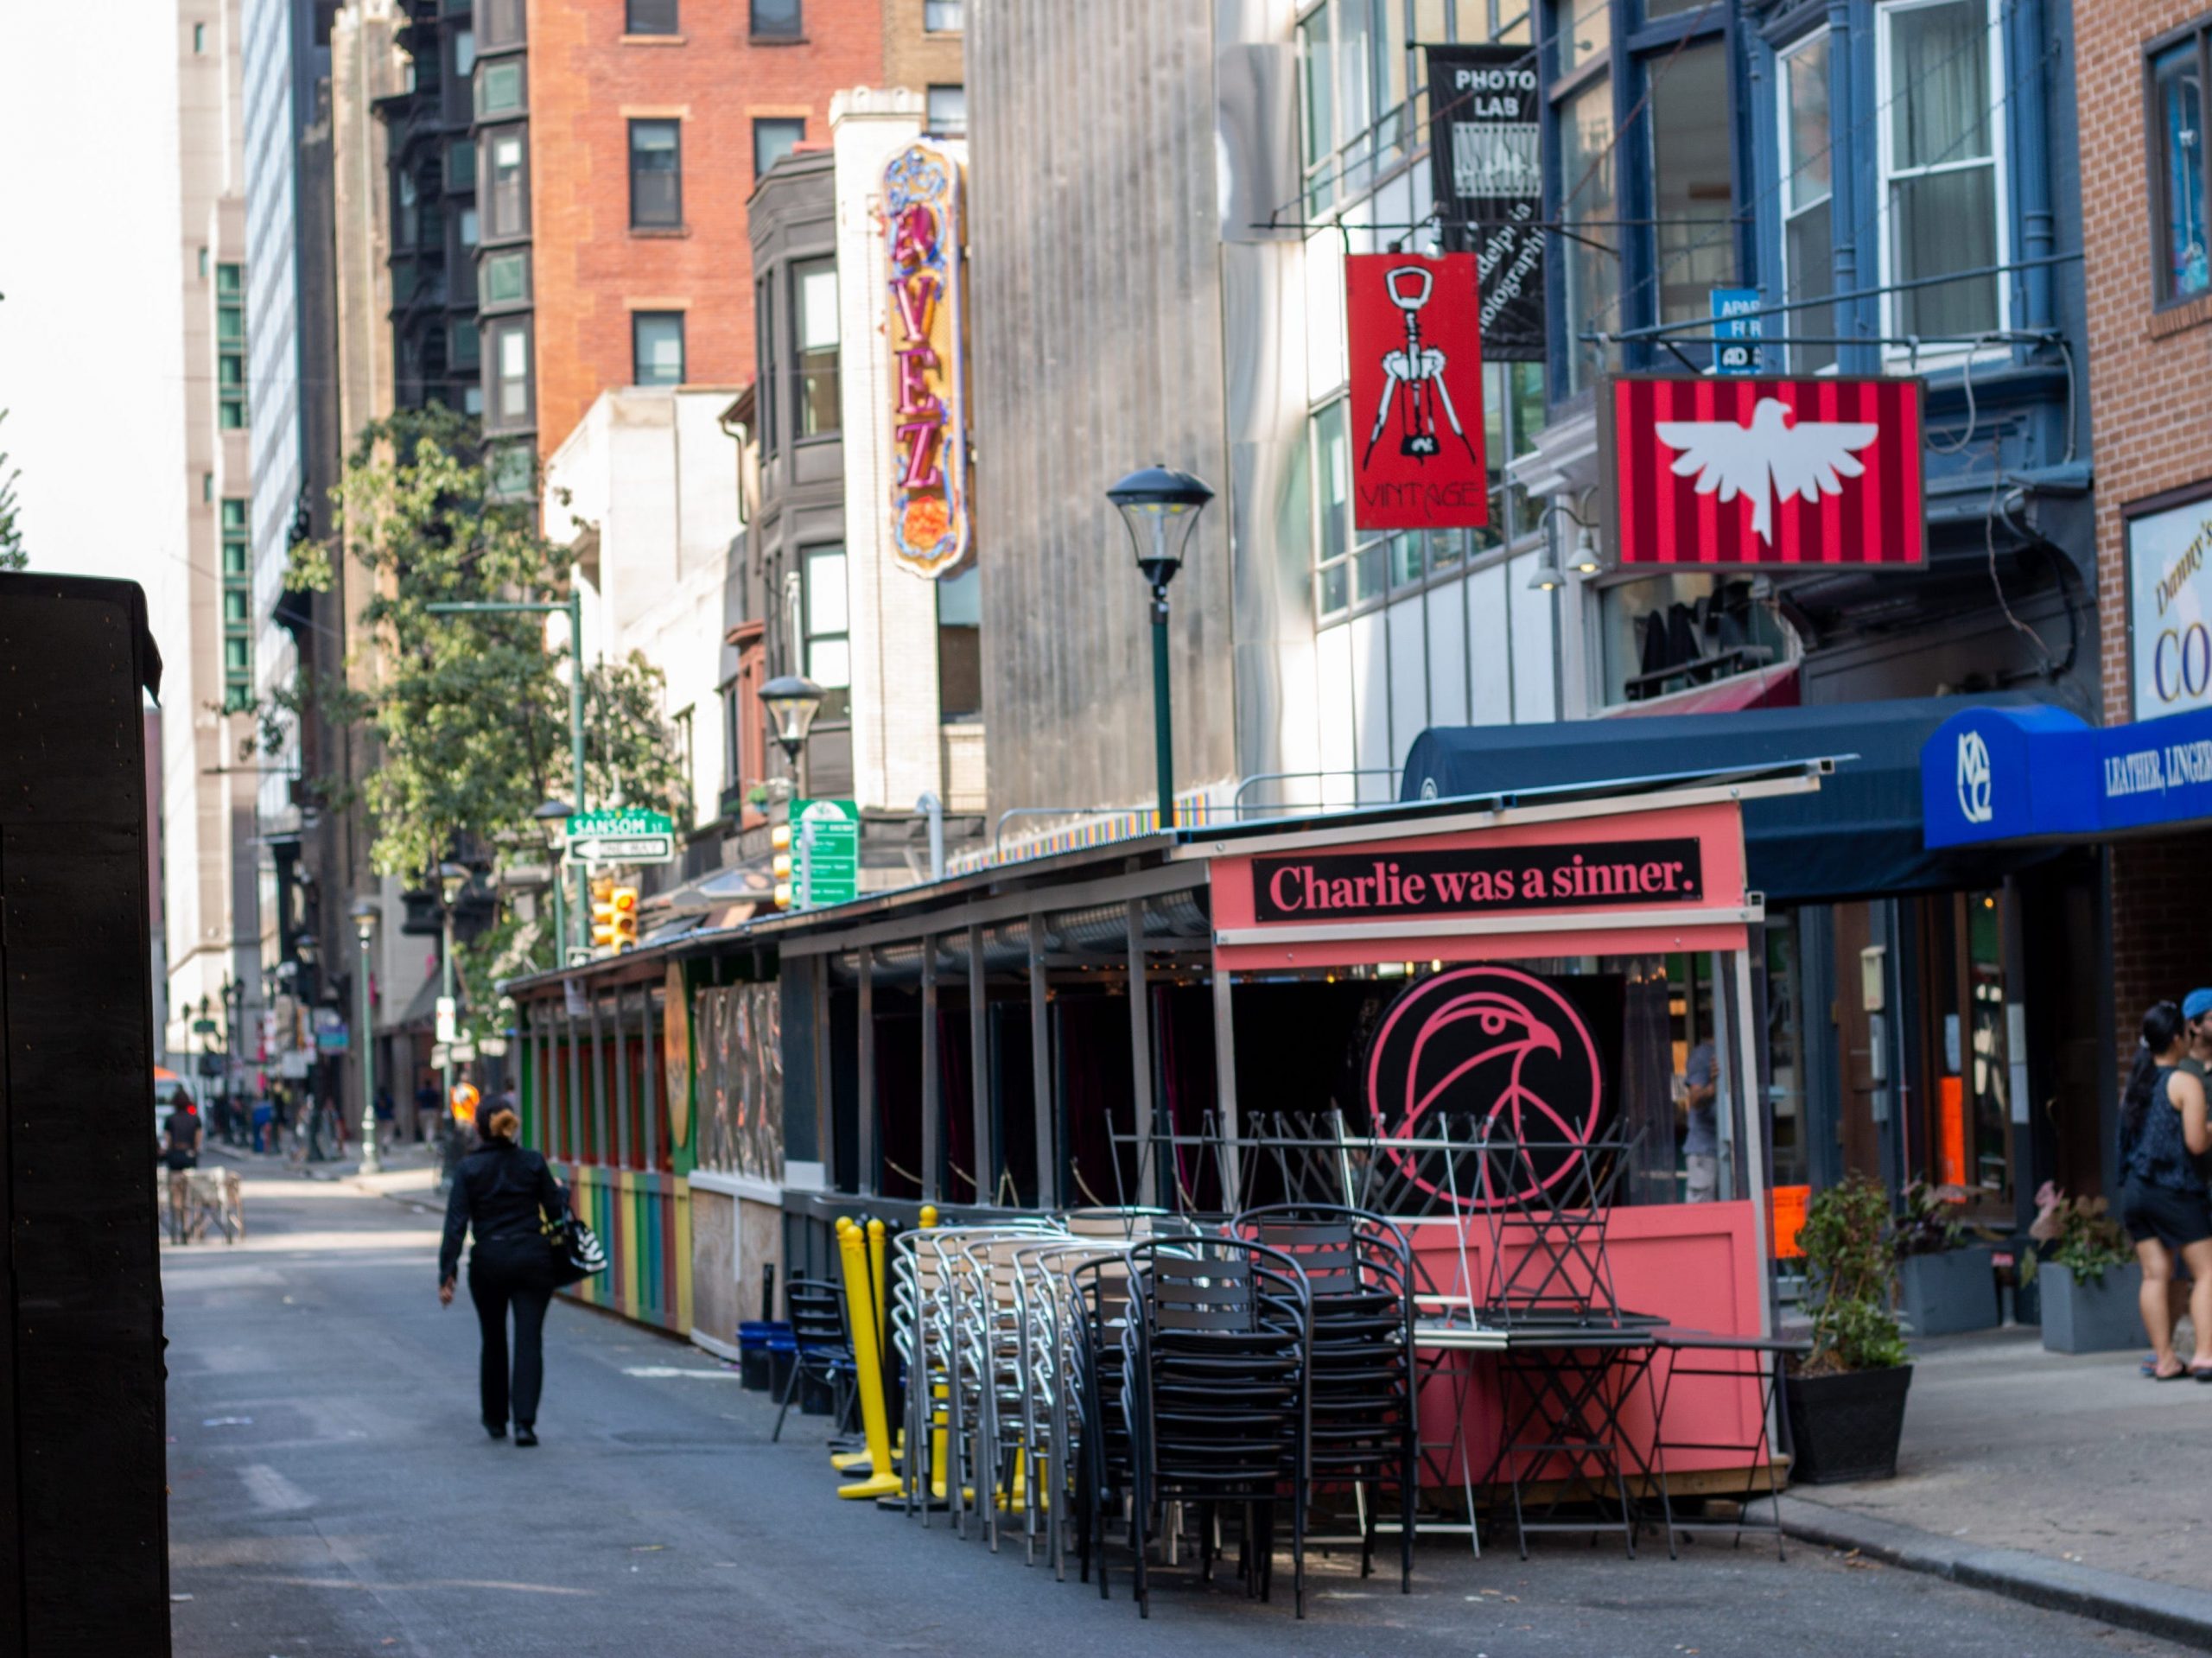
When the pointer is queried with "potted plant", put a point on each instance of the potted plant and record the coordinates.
(2087, 1274)
(1845, 1399)
(1949, 1280)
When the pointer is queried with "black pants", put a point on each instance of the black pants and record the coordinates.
(504, 1274)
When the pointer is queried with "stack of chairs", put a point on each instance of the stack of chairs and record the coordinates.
(1216, 1394)
(1365, 1431)
(824, 1349)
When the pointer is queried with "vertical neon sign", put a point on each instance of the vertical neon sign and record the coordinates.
(929, 520)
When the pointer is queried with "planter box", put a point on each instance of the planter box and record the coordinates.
(2099, 1318)
(1952, 1292)
(1846, 1427)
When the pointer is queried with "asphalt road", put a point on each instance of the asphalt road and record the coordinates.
(332, 1494)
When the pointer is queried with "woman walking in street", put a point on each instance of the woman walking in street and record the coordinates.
(2164, 1128)
(504, 1191)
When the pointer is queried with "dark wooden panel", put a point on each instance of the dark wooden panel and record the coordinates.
(82, 1426)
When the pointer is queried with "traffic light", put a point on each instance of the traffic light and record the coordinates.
(614, 918)
(779, 839)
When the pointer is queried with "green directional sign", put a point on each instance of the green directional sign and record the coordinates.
(621, 837)
(825, 853)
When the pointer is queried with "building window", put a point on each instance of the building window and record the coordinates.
(1808, 185)
(203, 264)
(512, 472)
(650, 18)
(1352, 569)
(814, 289)
(1590, 208)
(504, 279)
(1692, 191)
(942, 17)
(206, 485)
(501, 22)
(959, 646)
(765, 357)
(238, 606)
(2175, 105)
(507, 205)
(776, 20)
(499, 89)
(948, 110)
(829, 647)
(1936, 66)
(774, 139)
(199, 38)
(464, 53)
(461, 165)
(463, 350)
(1354, 57)
(656, 348)
(656, 175)
(467, 225)
(230, 347)
(511, 387)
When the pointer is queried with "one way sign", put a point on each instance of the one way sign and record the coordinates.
(623, 837)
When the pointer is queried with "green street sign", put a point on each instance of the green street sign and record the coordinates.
(204, 1026)
(825, 853)
(621, 837)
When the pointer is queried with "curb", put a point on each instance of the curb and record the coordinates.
(2164, 1610)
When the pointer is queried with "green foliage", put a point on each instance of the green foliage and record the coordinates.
(2078, 1234)
(12, 555)
(470, 711)
(1929, 1224)
(1851, 1269)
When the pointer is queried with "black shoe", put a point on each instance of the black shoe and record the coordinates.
(497, 1430)
(525, 1434)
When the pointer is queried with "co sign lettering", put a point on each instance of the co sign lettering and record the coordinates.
(2181, 663)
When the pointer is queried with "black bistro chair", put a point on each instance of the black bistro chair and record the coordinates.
(1573, 1357)
(1217, 1390)
(824, 1349)
(1365, 1429)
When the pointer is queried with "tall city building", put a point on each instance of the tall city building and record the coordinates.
(208, 772)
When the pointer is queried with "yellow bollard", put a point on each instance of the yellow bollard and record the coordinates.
(929, 1214)
(852, 1248)
(845, 1461)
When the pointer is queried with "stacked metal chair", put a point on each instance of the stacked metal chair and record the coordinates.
(1215, 1389)
(1053, 1408)
(1365, 1433)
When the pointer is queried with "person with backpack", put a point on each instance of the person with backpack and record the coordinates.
(2165, 1204)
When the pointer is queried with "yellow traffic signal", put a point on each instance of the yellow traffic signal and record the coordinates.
(779, 866)
(614, 918)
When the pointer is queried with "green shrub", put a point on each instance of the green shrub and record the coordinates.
(1851, 1270)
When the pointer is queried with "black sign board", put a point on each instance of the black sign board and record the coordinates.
(1483, 103)
(1369, 886)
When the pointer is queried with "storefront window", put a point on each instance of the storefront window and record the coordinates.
(1668, 633)
(1785, 1049)
(1962, 1138)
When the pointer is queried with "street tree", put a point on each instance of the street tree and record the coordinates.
(12, 554)
(469, 714)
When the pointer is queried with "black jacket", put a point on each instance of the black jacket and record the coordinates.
(499, 1190)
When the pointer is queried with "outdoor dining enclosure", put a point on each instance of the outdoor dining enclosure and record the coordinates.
(1468, 1020)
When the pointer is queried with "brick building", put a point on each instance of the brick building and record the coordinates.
(2141, 71)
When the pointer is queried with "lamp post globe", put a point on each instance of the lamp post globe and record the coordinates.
(365, 912)
(1160, 507)
(793, 701)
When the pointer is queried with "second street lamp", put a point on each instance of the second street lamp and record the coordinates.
(1161, 507)
(793, 701)
(365, 914)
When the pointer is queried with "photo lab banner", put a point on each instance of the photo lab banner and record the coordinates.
(1483, 157)
(1416, 393)
(1761, 470)
(2169, 610)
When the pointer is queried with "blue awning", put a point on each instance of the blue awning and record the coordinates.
(2009, 775)
(1859, 836)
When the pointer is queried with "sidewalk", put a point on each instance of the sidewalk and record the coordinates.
(2069, 1482)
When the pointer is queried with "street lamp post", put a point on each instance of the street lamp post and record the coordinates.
(573, 608)
(793, 701)
(552, 815)
(366, 915)
(1161, 507)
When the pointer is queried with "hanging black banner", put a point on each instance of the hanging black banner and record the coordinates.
(1483, 160)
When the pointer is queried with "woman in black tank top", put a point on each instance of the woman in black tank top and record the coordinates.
(2164, 1128)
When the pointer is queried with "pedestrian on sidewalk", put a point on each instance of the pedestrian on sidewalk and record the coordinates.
(504, 1193)
(2164, 1205)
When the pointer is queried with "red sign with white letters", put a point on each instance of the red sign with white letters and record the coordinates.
(1413, 326)
(1750, 471)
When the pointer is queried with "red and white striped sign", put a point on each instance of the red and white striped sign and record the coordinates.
(1750, 471)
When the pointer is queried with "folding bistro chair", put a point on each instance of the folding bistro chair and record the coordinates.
(1696, 1356)
(825, 1350)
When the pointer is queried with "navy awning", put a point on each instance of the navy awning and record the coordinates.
(1859, 836)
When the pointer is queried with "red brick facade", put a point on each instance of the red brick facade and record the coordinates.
(2153, 433)
(591, 271)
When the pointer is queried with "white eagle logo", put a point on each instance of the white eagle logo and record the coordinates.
(1802, 458)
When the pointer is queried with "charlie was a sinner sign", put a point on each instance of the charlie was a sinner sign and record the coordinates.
(1365, 886)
